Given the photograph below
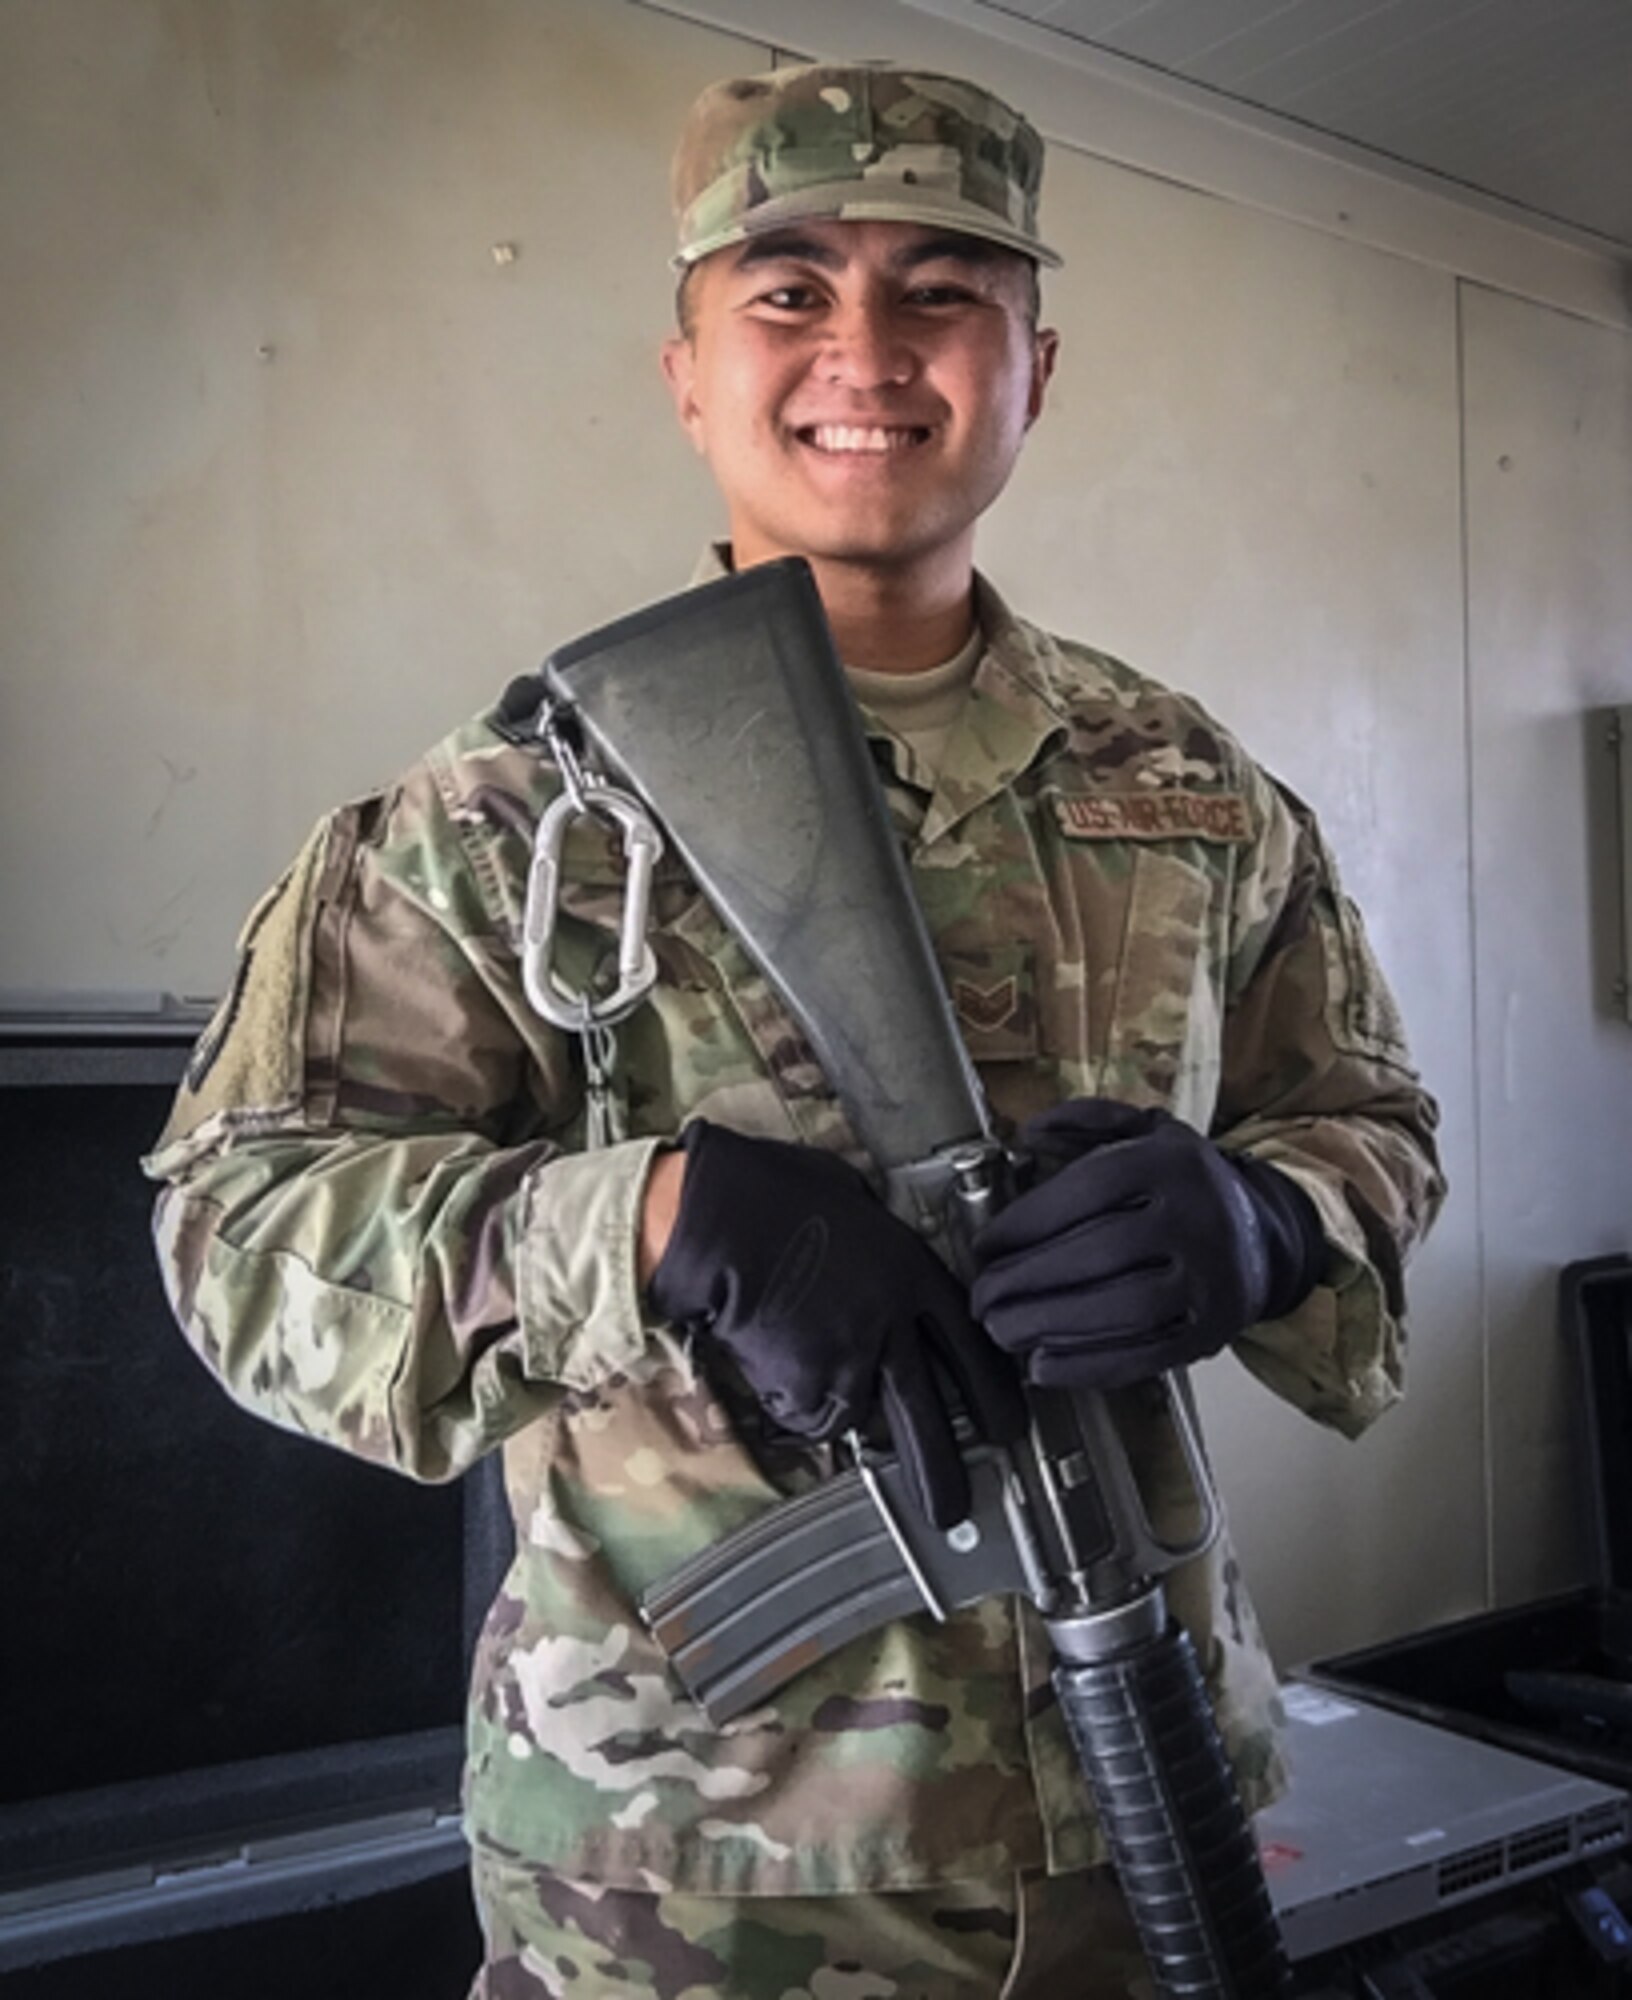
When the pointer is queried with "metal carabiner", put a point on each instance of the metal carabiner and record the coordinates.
(587, 797)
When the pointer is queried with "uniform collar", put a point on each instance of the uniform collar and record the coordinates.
(1011, 715)
(1013, 711)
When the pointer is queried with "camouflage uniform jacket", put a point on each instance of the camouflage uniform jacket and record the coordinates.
(381, 1228)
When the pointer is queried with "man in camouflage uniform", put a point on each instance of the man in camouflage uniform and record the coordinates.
(382, 1225)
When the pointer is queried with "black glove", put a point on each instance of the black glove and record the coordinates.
(1147, 1249)
(829, 1307)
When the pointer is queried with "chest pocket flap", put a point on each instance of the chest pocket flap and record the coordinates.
(1163, 1041)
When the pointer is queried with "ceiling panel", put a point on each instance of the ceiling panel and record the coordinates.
(1527, 100)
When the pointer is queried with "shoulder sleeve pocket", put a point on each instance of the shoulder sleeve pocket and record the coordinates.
(1362, 1016)
(1362, 1013)
(247, 1070)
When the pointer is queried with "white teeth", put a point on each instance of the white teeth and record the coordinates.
(859, 437)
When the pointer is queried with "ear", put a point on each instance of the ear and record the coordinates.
(679, 359)
(1045, 352)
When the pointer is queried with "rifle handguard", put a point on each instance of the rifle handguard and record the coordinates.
(1168, 1805)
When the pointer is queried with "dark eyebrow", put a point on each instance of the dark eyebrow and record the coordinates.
(953, 247)
(779, 246)
(789, 245)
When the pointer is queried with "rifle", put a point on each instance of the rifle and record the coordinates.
(725, 713)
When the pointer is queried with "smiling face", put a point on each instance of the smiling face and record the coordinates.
(859, 389)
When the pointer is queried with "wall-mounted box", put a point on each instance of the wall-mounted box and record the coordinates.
(1620, 744)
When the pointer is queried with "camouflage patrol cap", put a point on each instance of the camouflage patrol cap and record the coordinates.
(855, 143)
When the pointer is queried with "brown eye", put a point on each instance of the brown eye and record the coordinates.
(788, 298)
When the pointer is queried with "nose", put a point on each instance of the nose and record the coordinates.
(864, 347)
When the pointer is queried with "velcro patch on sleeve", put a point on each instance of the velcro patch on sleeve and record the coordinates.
(248, 1064)
(1223, 817)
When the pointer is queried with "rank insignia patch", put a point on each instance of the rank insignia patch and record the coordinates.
(986, 1007)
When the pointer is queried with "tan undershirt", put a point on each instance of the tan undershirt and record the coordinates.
(922, 708)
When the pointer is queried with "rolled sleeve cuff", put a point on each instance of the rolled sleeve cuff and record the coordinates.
(1340, 1356)
(577, 1290)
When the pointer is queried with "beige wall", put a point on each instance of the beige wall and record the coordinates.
(1549, 483)
(296, 472)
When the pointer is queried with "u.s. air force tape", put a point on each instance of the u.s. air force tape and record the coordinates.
(1217, 816)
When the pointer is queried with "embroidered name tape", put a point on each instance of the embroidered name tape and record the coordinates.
(1219, 816)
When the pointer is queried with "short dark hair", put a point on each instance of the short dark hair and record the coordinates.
(686, 320)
